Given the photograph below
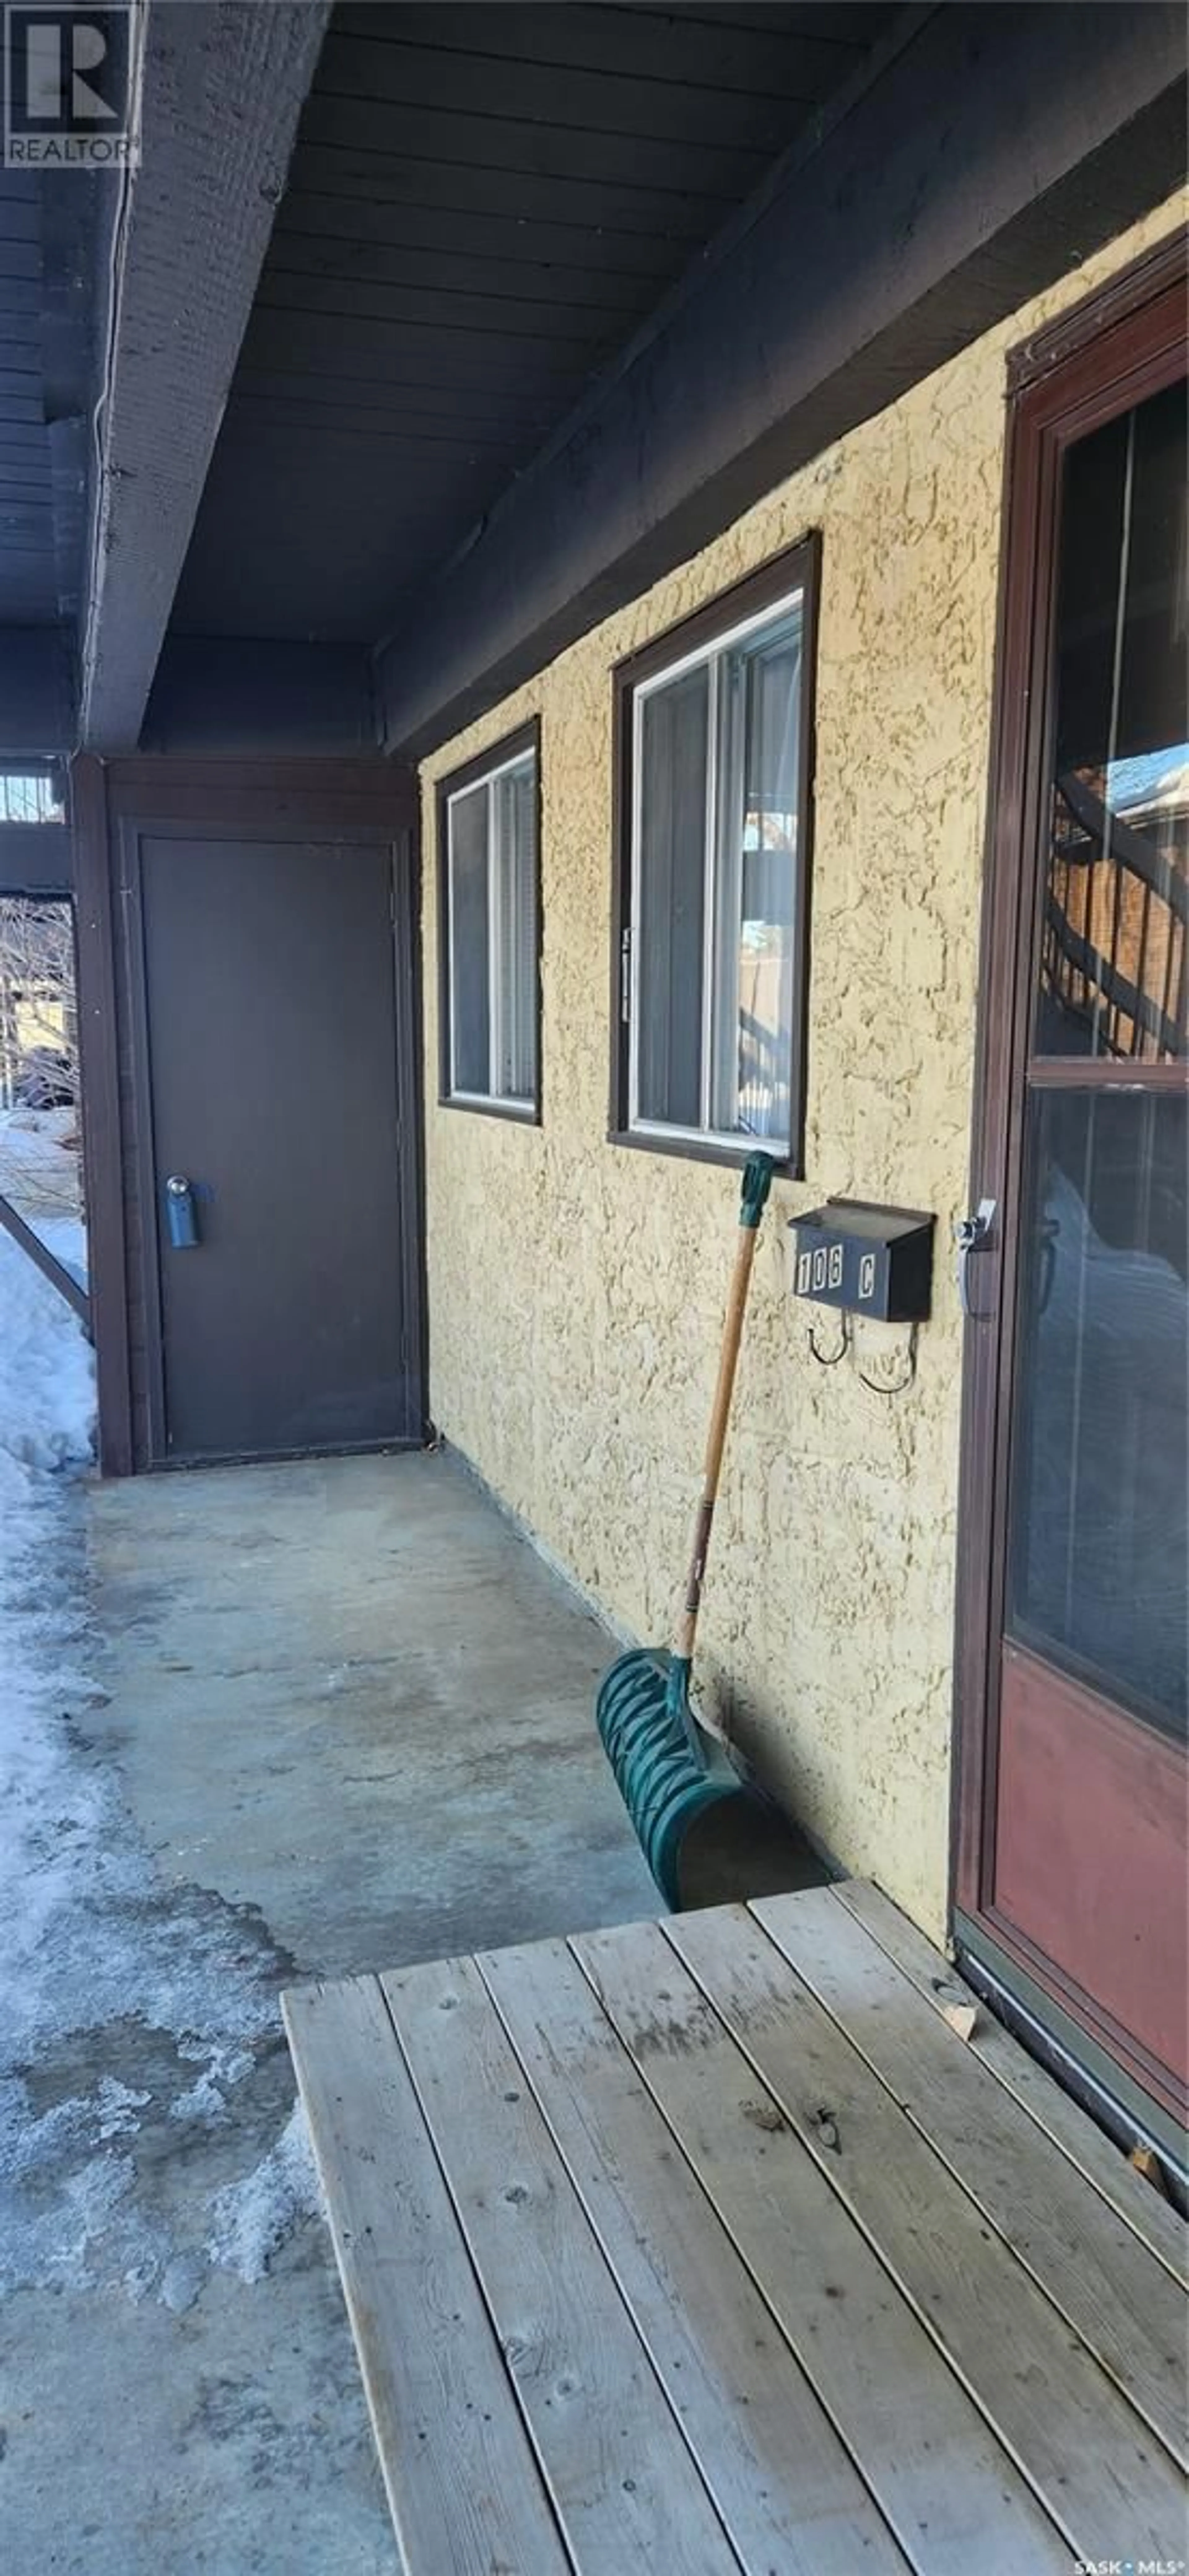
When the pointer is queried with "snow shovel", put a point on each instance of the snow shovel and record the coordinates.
(670, 1774)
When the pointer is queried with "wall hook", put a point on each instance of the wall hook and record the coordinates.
(830, 1359)
(902, 1383)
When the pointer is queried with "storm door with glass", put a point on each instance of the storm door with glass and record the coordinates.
(1072, 1668)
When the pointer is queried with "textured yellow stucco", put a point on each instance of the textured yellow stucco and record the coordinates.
(576, 1288)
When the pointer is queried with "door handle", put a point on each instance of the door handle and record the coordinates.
(181, 1215)
(972, 1234)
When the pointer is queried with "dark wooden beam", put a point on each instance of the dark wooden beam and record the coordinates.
(997, 146)
(36, 691)
(232, 695)
(36, 858)
(221, 86)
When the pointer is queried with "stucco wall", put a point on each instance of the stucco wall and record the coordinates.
(576, 1288)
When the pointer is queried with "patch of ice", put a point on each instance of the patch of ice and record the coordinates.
(118, 2106)
(95, 2189)
(181, 2282)
(90, 1936)
(255, 2217)
(224, 2065)
(203, 2103)
(60, 2197)
(52, 2243)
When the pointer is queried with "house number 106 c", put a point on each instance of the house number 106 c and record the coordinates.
(869, 1260)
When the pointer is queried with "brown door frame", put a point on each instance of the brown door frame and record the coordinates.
(103, 1158)
(1108, 353)
(113, 806)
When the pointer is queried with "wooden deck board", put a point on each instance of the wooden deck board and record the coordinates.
(948, 2489)
(709, 2245)
(610, 2449)
(462, 2482)
(785, 2486)
(1087, 2146)
(1102, 2477)
(1115, 2293)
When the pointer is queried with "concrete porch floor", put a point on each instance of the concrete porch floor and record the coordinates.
(348, 1693)
(346, 1716)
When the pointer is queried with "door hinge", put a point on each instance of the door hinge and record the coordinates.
(625, 976)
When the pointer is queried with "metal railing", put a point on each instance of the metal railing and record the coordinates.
(1114, 936)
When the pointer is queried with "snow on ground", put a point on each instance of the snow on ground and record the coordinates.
(47, 1391)
(99, 1958)
(253, 2218)
(41, 1173)
(66, 1238)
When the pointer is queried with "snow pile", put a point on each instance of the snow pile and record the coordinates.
(95, 1947)
(254, 2218)
(66, 1238)
(47, 1394)
(64, 2190)
(46, 1409)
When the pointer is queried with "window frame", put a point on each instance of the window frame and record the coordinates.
(511, 749)
(727, 617)
(46, 775)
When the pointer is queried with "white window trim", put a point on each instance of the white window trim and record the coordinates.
(725, 1140)
(730, 636)
(498, 1103)
(732, 1140)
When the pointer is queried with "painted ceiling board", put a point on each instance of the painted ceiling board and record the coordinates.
(485, 205)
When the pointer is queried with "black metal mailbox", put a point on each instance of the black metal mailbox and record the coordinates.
(870, 1260)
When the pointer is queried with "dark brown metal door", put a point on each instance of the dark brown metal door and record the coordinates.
(269, 1053)
(1072, 1667)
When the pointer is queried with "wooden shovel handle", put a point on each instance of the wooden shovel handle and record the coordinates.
(683, 1643)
